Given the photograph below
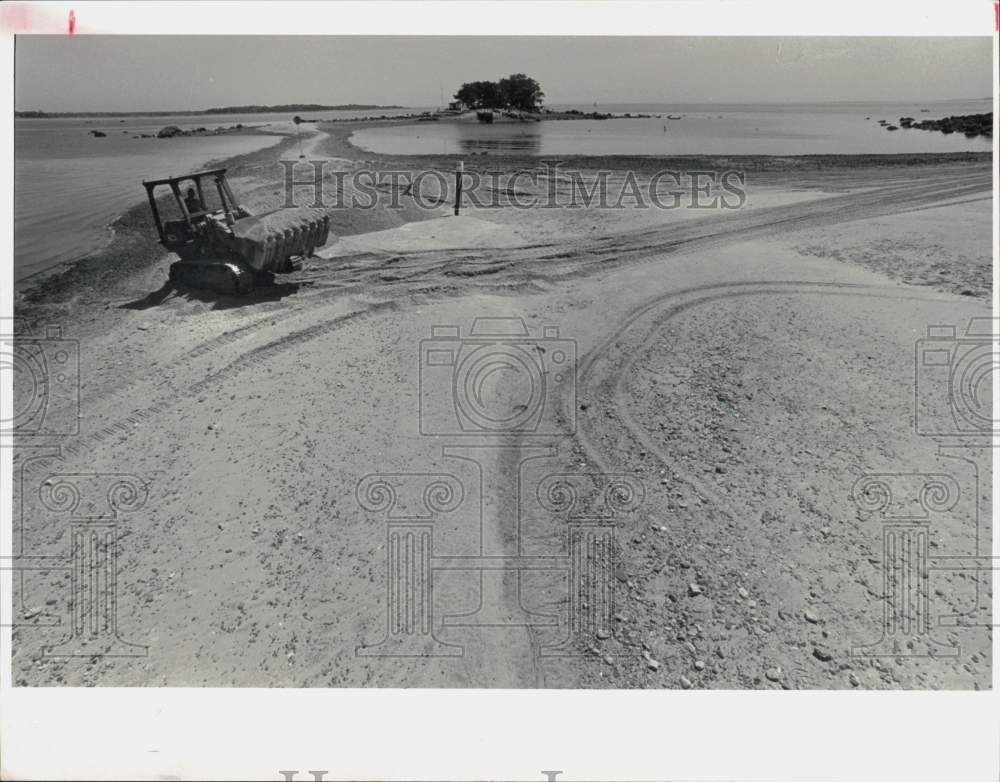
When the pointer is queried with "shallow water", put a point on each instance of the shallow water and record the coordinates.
(703, 129)
(69, 185)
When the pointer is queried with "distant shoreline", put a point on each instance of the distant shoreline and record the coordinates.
(557, 107)
(284, 109)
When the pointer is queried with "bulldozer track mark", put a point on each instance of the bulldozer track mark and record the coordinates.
(519, 270)
(576, 258)
(247, 360)
(596, 382)
(251, 358)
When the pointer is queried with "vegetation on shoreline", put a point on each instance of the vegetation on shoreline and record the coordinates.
(249, 109)
(517, 92)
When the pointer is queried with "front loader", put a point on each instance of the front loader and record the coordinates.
(225, 248)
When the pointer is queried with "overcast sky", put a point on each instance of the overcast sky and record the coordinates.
(146, 73)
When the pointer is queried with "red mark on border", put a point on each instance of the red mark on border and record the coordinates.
(996, 17)
(14, 18)
(72, 21)
(18, 18)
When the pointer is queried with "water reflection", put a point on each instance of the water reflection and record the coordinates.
(524, 140)
(742, 130)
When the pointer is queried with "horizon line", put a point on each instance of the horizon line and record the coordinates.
(373, 106)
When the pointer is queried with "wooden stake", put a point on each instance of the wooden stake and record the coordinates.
(458, 186)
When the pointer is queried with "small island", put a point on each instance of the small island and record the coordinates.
(516, 98)
(971, 125)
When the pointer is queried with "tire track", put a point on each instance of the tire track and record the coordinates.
(603, 371)
(443, 273)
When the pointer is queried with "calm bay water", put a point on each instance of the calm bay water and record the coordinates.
(69, 185)
(789, 129)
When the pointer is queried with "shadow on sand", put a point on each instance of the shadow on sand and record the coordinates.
(219, 301)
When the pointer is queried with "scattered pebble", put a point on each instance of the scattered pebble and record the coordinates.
(652, 664)
(686, 683)
(699, 665)
(854, 680)
(822, 653)
(773, 674)
(700, 605)
(811, 617)
(743, 593)
(694, 590)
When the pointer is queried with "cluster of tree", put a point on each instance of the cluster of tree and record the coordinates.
(515, 93)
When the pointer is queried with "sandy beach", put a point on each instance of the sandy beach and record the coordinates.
(746, 367)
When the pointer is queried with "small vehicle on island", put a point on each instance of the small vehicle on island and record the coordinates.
(221, 246)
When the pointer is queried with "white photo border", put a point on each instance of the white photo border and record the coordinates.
(191, 733)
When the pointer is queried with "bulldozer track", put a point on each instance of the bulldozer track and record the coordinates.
(523, 269)
(603, 371)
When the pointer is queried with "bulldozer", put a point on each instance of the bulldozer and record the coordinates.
(221, 245)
